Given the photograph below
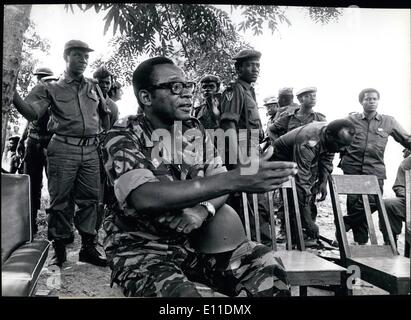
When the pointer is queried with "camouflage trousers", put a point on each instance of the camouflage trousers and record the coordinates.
(159, 270)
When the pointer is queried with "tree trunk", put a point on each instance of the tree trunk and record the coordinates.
(16, 22)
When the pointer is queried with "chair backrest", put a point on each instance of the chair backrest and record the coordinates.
(363, 185)
(288, 185)
(15, 212)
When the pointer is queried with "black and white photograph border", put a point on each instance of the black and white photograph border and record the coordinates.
(339, 50)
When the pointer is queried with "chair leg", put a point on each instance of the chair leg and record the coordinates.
(303, 291)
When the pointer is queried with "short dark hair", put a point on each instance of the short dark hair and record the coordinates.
(142, 76)
(102, 72)
(366, 90)
(335, 126)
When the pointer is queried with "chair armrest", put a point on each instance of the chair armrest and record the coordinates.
(22, 269)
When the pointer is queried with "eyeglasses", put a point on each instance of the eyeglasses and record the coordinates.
(175, 87)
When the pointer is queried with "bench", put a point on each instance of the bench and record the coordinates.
(22, 258)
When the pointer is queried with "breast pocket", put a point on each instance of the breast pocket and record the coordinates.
(67, 104)
(92, 102)
(382, 134)
(381, 139)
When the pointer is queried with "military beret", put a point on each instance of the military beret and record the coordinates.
(307, 89)
(285, 91)
(210, 78)
(271, 100)
(43, 71)
(247, 54)
(77, 44)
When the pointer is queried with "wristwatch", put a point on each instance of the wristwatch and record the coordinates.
(210, 208)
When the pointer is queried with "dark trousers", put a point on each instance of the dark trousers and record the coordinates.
(74, 173)
(356, 219)
(395, 208)
(34, 162)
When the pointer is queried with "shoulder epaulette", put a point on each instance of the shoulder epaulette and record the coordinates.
(321, 114)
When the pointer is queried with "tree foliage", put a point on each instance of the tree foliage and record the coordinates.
(201, 38)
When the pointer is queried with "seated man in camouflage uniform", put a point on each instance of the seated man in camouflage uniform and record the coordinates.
(172, 226)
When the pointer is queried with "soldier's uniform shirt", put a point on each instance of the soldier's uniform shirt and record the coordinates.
(290, 119)
(305, 146)
(366, 153)
(237, 99)
(73, 105)
(150, 259)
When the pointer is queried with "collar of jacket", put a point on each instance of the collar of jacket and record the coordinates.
(376, 116)
(68, 79)
(246, 85)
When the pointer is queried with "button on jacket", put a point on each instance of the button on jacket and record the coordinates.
(73, 105)
(366, 153)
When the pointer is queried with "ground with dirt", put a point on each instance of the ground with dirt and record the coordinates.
(77, 279)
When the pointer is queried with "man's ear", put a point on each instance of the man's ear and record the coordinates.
(144, 97)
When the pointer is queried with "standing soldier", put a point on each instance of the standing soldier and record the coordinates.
(73, 161)
(293, 118)
(241, 121)
(104, 79)
(366, 156)
(297, 117)
(33, 147)
(209, 111)
(272, 107)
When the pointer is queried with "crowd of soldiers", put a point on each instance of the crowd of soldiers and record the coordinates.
(168, 223)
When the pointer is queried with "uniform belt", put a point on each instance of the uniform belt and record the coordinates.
(77, 141)
(37, 136)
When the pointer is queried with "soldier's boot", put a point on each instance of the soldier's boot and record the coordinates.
(60, 255)
(89, 253)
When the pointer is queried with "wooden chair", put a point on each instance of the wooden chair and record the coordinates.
(407, 251)
(303, 268)
(380, 265)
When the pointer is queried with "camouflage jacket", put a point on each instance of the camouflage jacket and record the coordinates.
(134, 154)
